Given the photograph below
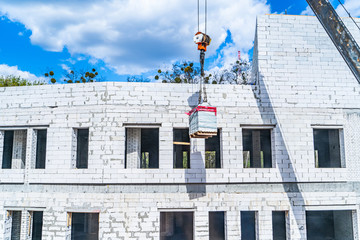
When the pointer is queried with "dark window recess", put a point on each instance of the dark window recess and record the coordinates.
(248, 225)
(257, 148)
(149, 148)
(216, 225)
(181, 148)
(37, 225)
(176, 226)
(126, 148)
(331, 225)
(82, 148)
(40, 149)
(327, 148)
(279, 225)
(84, 226)
(8, 149)
(16, 225)
(212, 151)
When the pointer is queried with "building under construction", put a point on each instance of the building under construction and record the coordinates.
(115, 161)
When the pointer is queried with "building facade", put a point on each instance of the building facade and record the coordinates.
(114, 160)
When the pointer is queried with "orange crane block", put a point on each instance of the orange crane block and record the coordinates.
(202, 40)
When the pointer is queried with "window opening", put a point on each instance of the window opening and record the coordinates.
(176, 226)
(142, 148)
(216, 225)
(82, 148)
(257, 148)
(329, 225)
(150, 147)
(15, 225)
(84, 226)
(248, 225)
(41, 149)
(181, 144)
(279, 225)
(37, 224)
(14, 149)
(212, 151)
(8, 149)
(327, 148)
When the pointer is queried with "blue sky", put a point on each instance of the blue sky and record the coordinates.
(126, 39)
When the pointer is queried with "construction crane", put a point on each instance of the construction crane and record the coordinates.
(339, 34)
(202, 40)
(202, 119)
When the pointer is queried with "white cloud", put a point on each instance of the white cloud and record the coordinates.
(134, 36)
(352, 6)
(65, 67)
(6, 70)
(307, 11)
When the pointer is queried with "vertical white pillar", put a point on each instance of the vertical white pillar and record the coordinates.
(19, 149)
(133, 147)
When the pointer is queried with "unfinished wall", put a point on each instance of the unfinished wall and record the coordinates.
(298, 90)
(133, 212)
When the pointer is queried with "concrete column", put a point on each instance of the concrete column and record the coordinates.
(73, 148)
(264, 225)
(232, 224)
(32, 140)
(197, 153)
(231, 148)
(68, 226)
(30, 152)
(19, 149)
(201, 225)
(356, 222)
(133, 147)
(25, 225)
(7, 225)
(297, 219)
(166, 147)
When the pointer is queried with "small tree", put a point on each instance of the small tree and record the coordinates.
(10, 81)
(237, 73)
(184, 72)
(76, 76)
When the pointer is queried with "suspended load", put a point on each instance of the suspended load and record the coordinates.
(202, 119)
(202, 122)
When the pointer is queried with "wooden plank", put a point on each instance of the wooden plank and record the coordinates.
(181, 143)
(202, 134)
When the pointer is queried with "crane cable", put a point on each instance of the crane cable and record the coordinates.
(202, 90)
(349, 14)
(198, 15)
(205, 15)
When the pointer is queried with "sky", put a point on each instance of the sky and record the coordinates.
(122, 38)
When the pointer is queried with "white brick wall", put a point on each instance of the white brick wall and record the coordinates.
(302, 82)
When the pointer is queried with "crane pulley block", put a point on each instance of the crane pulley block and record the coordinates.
(202, 40)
